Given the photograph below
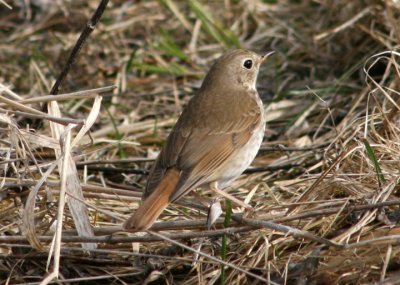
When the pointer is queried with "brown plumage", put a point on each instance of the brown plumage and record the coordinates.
(214, 141)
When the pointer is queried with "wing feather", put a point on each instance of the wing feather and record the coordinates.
(198, 146)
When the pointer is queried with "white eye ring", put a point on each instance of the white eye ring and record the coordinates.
(248, 63)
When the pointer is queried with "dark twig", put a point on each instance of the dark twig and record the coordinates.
(296, 233)
(335, 210)
(75, 51)
(201, 223)
(286, 166)
(110, 239)
(115, 161)
(115, 170)
(293, 148)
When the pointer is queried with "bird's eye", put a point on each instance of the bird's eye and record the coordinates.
(248, 63)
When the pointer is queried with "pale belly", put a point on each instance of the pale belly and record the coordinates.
(239, 162)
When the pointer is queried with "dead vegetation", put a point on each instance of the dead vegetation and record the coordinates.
(324, 185)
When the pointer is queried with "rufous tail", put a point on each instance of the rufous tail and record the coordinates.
(154, 204)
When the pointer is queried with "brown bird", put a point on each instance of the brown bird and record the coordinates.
(214, 140)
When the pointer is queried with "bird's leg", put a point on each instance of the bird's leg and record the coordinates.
(214, 212)
(214, 187)
(214, 208)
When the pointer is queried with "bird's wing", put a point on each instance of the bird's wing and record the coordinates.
(200, 143)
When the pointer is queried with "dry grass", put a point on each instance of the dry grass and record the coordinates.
(329, 165)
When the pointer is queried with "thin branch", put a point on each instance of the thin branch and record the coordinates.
(286, 166)
(332, 211)
(286, 229)
(392, 239)
(115, 161)
(110, 239)
(115, 170)
(6, 4)
(82, 39)
(16, 105)
(281, 147)
(44, 116)
(68, 96)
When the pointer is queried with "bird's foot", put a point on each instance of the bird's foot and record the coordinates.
(214, 212)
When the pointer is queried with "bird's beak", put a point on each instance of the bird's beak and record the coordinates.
(267, 55)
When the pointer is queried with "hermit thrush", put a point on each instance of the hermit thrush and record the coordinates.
(215, 139)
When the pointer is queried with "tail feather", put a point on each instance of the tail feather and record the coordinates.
(154, 204)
